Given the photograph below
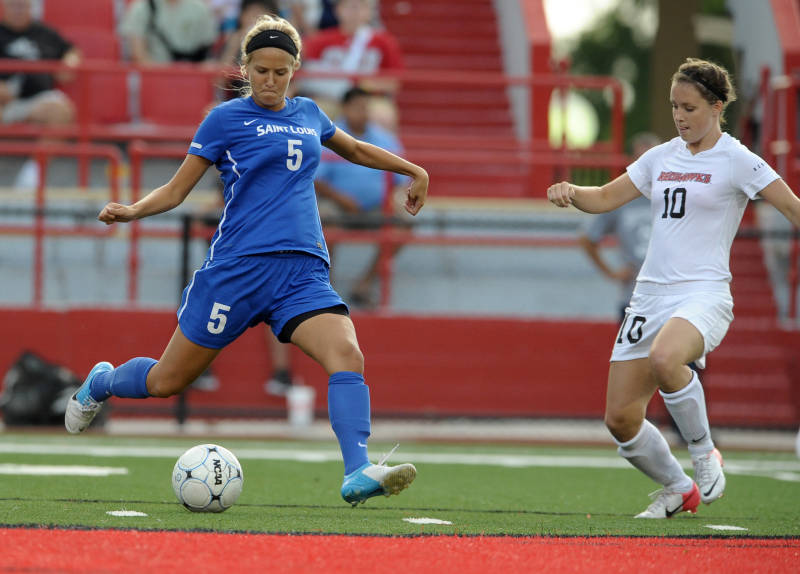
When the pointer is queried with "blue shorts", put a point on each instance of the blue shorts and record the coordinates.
(227, 296)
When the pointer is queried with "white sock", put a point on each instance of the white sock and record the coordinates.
(649, 452)
(27, 178)
(688, 409)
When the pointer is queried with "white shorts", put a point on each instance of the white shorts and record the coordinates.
(707, 305)
(19, 110)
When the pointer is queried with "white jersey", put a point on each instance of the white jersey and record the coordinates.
(696, 204)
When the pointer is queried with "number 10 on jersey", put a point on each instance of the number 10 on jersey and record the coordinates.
(674, 203)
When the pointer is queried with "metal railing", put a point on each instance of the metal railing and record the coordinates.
(86, 127)
(531, 157)
(780, 149)
(43, 152)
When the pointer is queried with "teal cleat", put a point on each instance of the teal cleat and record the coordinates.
(376, 479)
(81, 407)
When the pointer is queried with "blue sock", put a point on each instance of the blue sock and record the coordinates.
(348, 409)
(129, 381)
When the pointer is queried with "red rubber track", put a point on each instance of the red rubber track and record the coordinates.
(130, 551)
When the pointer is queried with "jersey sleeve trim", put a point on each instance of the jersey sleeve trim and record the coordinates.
(209, 151)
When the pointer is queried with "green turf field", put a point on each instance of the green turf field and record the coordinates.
(293, 487)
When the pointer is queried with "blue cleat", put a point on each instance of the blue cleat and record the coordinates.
(376, 479)
(81, 407)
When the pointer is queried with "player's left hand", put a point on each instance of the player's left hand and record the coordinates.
(417, 193)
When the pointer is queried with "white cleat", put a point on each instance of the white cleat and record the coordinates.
(709, 476)
(80, 413)
(376, 480)
(667, 503)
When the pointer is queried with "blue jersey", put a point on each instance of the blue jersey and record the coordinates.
(267, 161)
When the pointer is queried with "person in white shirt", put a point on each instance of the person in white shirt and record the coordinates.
(698, 185)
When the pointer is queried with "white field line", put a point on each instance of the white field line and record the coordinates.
(781, 470)
(724, 527)
(125, 513)
(426, 521)
(60, 470)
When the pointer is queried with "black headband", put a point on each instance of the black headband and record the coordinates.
(695, 77)
(272, 39)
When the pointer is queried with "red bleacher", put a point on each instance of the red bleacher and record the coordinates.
(61, 14)
(443, 36)
(159, 104)
(93, 42)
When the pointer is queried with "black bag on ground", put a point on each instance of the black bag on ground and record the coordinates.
(35, 392)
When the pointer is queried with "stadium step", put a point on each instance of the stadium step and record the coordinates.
(498, 117)
(750, 378)
(760, 413)
(454, 131)
(455, 62)
(487, 47)
(446, 36)
(418, 97)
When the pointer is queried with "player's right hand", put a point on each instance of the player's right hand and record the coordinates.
(417, 192)
(116, 213)
(561, 194)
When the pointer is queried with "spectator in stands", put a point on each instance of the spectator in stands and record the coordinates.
(164, 31)
(355, 46)
(28, 97)
(250, 12)
(630, 224)
(303, 14)
(226, 13)
(353, 193)
(327, 15)
(699, 184)
(268, 261)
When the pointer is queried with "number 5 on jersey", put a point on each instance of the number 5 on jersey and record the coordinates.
(295, 155)
(218, 318)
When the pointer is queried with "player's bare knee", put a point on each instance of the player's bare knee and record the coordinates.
(159, 389)
(350, 354)
(163, 385)
(617, 424)
(344, 355)
(663, 364)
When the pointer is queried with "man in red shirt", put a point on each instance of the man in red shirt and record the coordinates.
(354, 47)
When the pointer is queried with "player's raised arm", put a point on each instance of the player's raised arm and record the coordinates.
(594, 199)
(161, 199)
(369, 155)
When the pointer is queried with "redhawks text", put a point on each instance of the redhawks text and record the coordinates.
(678, 176)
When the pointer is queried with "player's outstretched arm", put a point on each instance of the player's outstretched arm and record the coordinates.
(594, 199)
(161, 199)
(783, 199)
(376, 157)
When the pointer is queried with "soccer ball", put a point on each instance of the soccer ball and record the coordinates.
(207, 478)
